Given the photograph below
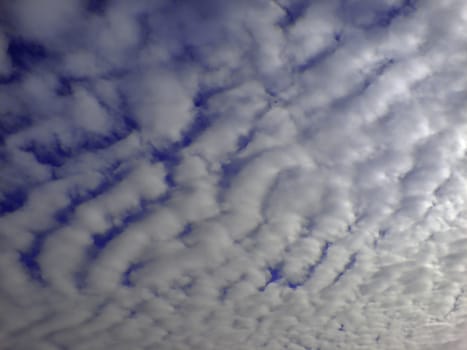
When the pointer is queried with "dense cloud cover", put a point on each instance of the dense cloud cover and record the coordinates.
(241, 175)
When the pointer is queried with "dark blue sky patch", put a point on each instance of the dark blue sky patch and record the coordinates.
(275, 275)
(91, 141)
(28, 258)
(63, 215)
(170, 158)
(169, 180)
(244, 140)
(95, 142)
(32, 266)
(376, 73)
(185, 232)
(10, 124)
(100, 240)
(292, 12)
(370, 15)
(126, 277)
(366, 83)
(13, 77)
(229, 171)
(97, 7)
(167, 156)
(382, 233)
(187, 54)
(294, 285)
(385, 18)
(202, 97)
(324, 254)
(12, 200)
(130, 123)
(338, 36)
(316, 59)
(52, 154)
(350, 264)
(200, 123)
(64, 86)
(24, 54)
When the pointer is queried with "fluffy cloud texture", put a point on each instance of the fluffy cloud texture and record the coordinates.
(233, 175)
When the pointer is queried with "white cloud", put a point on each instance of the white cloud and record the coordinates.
(233, 175)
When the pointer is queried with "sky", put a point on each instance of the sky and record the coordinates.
(241, 175)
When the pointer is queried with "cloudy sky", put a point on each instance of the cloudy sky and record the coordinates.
(238, 174)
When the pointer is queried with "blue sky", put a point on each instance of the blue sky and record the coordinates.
(201, 174)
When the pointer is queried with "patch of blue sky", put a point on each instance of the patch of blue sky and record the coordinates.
(275, 275)
(386, 17)
(28, 258)
(229, 170)
(376, 16)
(65, 84)
(185, 232)
(10, 78)
(317, 59)
(205, 93)
(199, 124)
(361, 86)
(95, 141)
(97, 7)
(126, 276)
(11, 124)
(12, 200)
(170, 158)
(52, 153)
(292, 12)
(24, 54)
(244, 140)
(348, 266)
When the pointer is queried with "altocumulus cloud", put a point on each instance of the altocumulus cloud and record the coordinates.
(233, 175)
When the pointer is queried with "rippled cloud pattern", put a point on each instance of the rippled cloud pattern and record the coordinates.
(202, 174)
